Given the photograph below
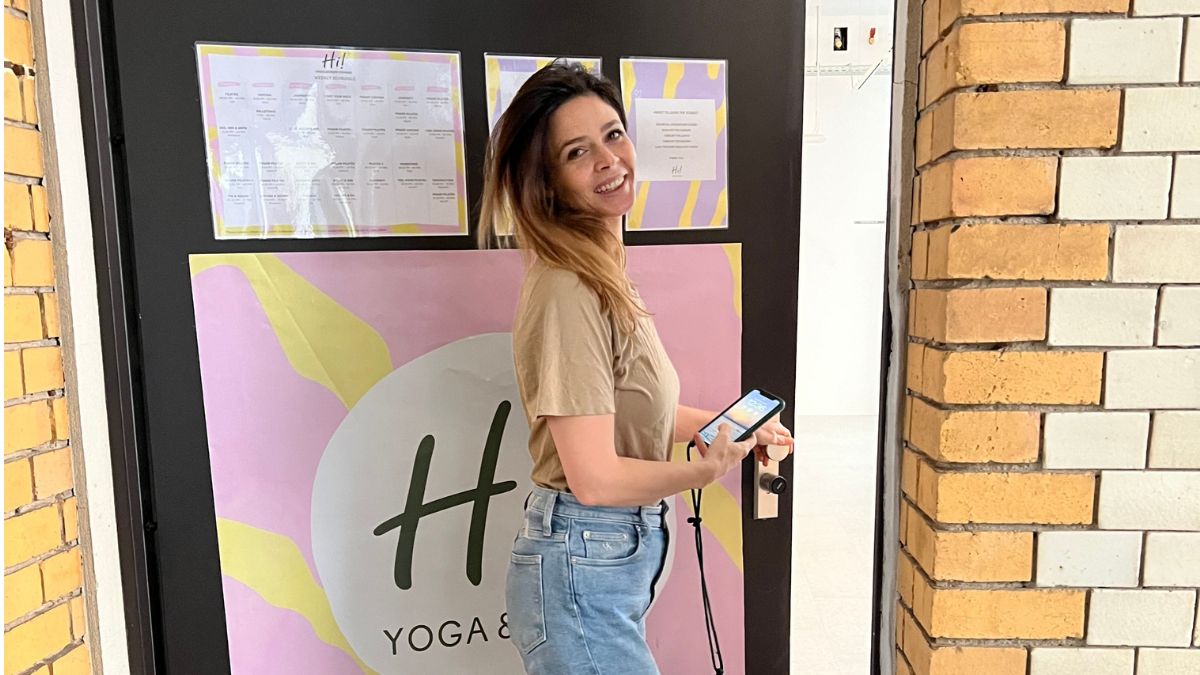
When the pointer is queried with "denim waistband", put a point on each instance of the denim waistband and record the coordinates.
(544, 503)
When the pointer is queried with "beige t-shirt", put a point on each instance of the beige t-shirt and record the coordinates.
(572, 360)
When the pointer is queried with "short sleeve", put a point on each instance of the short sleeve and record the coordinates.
(563, 349)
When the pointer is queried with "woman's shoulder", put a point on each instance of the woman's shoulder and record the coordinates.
(543, 282)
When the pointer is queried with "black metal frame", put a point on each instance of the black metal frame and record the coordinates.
(103, 149)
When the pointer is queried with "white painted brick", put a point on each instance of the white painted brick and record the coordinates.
(1157, 254)
(1185, 189)
(1152, 378)
(1096, 440)
(1074, 661)
(1179, 315)
(1149, 500)
(1168, 661)
(1119, 188)
(1191, 54)
(1140, 618)
(1089, 559)
(1122, 317)
(1173, 559)
(1125, 51)
(1175, 441)
(1196, 637)
(1161, 119)
(1165, 7)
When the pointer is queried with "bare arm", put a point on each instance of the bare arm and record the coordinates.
(689, 421)
(598, 477)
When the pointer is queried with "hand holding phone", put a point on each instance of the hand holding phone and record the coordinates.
(723, 453)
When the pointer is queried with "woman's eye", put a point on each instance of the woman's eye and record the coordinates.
(577, 152)
(615, 134)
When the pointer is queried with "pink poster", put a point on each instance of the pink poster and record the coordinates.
(345, 392)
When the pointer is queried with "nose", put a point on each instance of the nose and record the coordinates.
(605, 158)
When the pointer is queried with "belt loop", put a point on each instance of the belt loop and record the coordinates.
(548, 513)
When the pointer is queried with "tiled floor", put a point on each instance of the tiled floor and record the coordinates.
(833, 544)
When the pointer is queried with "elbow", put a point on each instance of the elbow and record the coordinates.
(588, 496)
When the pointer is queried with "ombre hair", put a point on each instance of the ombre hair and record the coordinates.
(520, 205)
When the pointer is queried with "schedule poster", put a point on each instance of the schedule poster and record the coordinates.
(506, 73)
(312, 142)
(677, 111)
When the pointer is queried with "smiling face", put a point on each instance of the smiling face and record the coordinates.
(592, 157)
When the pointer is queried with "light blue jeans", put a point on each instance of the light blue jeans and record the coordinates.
(579, 585)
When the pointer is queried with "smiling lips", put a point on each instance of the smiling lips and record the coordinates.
(611, 185)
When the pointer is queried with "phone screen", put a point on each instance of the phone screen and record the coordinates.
(748, 413)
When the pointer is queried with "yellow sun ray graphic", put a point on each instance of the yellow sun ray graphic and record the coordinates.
(272, 566)
(315, 332)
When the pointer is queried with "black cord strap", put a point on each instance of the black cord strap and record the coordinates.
(710, 625)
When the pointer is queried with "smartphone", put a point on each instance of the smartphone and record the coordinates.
(744, 417)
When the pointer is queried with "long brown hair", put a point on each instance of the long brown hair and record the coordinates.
(519, 199)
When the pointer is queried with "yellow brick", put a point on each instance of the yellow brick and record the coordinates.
(50, 314)
(29, 91)
(13, 109)
(915, 362)
(978, 661)
(909, 473)
(22, 318)
(973, 315)
(7, 268)
(905, 514)
(930, 24)
(904, 579)
(18, 485)
(31, 534)
(970, 556)
(1026, 252)
(996, 53)
(1004, 377)
(78, 620)
(1011, 7)
(14, 387)
(22, 150)
(916, 648)
(1025, 119)
(924, 138)
(62, 574)
(26, 426)
(989, 186)
(52, 473)
(32, 263)
(62, 428)
(920, 247)
(902, 667)
(1006, 498)
(75, 662)
(1007, 614)
(18, 210)
(70, 514)
(17, 45)
(41, 216)
(22, 5)
(22, 592)
(975, 436)
(43, 368)
(36, 639)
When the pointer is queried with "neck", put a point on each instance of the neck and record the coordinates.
(614, 226)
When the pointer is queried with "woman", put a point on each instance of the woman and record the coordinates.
(599, 391)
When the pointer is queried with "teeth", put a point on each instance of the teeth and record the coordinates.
(609, 187)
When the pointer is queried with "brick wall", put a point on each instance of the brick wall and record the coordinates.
(1050, 520)
(43, 603)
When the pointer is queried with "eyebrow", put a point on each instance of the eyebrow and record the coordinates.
(606, 127)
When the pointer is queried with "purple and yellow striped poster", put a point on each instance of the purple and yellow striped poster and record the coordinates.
(678, 111)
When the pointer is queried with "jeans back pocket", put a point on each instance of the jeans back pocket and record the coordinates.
(525, 601)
